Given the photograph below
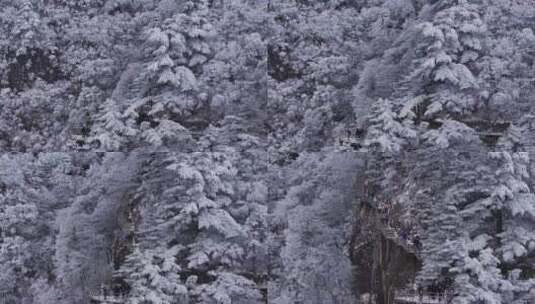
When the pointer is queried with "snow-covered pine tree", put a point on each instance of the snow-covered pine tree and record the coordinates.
(387, 133)
(504, 70)
(446, 47)
(513, 204)
(186, 215)
(112, 130)
(165, 90)
(153, 276)
(458, 250)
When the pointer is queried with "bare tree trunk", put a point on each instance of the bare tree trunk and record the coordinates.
(384, 288)
(375, 269)
(380, 286)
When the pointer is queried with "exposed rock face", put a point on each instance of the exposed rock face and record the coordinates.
(382, 262)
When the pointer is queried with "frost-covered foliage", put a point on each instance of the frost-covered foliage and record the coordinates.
(194, 233)
(34, 190)
(139, 77)
(474, 214)
(311, 217)
(386, 134)
(201, 151)
(452, 81)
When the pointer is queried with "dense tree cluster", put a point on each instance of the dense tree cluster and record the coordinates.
(206, 151)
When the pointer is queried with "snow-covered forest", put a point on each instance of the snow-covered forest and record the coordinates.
(276, 151)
